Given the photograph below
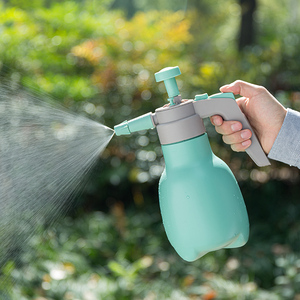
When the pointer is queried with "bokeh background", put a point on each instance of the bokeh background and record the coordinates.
(98, 59)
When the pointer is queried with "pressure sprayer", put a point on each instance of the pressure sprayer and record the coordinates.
(201, 203)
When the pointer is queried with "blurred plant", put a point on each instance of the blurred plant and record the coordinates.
(89, 258)
(288, 276)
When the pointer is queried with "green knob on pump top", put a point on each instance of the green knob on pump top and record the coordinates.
(168, 76)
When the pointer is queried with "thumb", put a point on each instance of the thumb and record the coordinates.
(242, 88)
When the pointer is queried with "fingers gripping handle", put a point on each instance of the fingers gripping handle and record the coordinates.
(229, 110)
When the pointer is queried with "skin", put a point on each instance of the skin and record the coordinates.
(263, 111)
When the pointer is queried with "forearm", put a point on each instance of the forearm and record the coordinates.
(286, 147)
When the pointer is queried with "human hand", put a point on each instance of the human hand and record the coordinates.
(263, 111)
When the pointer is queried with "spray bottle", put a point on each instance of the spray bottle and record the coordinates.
(201, 203)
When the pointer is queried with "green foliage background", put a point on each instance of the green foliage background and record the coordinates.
(95, 61)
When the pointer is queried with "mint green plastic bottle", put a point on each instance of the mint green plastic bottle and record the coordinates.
(201, 203)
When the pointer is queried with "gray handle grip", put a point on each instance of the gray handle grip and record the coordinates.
(229, 110)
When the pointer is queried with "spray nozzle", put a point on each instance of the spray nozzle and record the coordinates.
(143, 122)
(168, 76)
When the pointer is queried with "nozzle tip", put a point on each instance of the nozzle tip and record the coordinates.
(122, 129)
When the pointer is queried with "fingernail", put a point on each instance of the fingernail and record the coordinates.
(245, 135)
(246, 143)
(227, 85)
(224, 86)
(216, 121)
(236, 126)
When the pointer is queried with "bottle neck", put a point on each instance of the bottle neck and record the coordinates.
(178, 123)
(187, 152)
